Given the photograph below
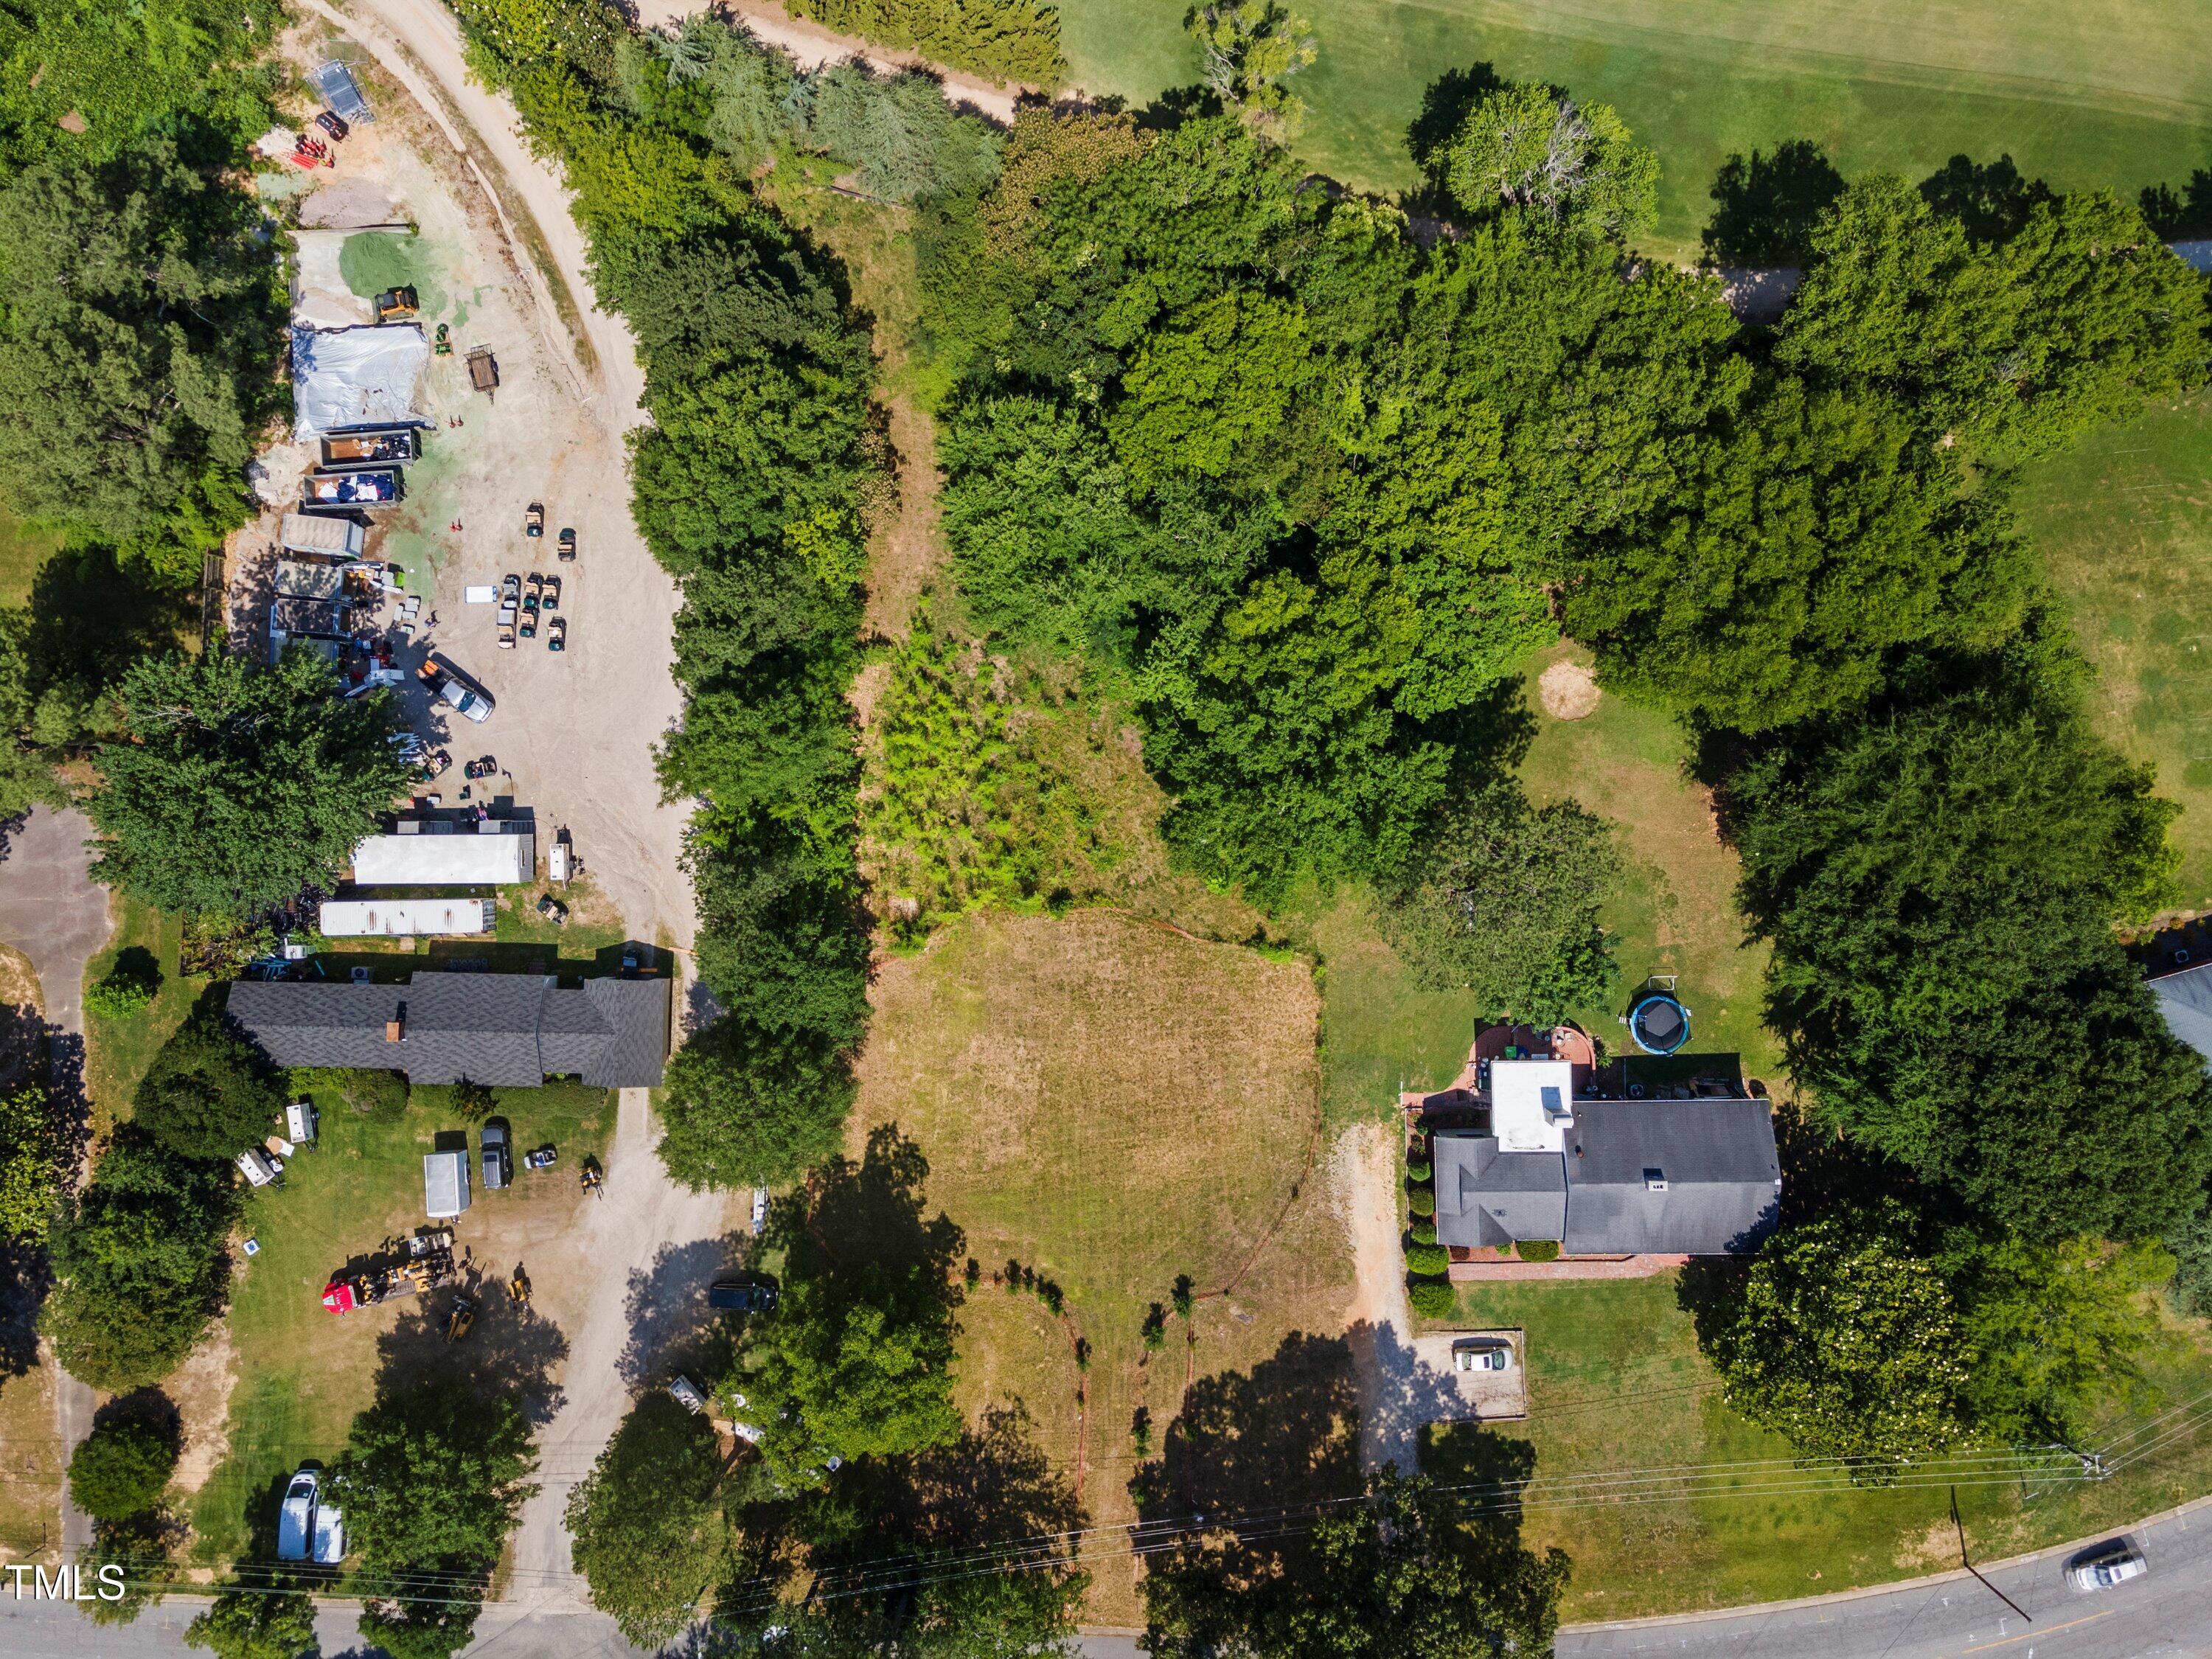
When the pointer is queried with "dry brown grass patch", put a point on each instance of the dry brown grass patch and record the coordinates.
(1112, 1102)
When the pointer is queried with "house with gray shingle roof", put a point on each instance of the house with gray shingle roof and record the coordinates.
(2185, 996)
(507, 1031)
(1674, 1177)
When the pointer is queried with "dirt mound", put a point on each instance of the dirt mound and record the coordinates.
(1568, 690)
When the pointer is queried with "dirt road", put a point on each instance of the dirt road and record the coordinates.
(574, 732)
(811, 45)
(1394, 1385)
(649, 1246)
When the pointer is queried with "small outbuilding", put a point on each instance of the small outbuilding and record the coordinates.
(445, 1184)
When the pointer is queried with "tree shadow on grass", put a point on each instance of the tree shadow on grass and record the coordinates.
(1990, 199)
(873, 1214)
(1250, 1460)
(1765, 205)
(510, 1349)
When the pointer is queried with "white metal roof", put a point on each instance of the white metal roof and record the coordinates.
(457, 859)
(445, 1184)
(402, 918)
(1531, 1105)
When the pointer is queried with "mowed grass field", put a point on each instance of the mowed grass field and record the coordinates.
(2123, 521)
(1113, 1104)
(2116, 93)
(1616, 1383)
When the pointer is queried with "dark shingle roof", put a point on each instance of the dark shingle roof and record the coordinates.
(1717, 1157)
(1724, 1180)
(1484, 1196)
(2186, 1000)
(508, 1030)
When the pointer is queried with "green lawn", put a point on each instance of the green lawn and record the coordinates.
(303, 1373)
(2117, 94)
(118, 1051)
(1676, 913)
(2124, 524)
(1616, 1383)
(22, 550)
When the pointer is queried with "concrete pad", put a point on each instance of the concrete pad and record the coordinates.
(1484, 1396)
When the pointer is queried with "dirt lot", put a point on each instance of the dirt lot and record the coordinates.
(572, 731)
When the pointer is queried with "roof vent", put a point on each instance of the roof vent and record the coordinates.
(1655, 1180)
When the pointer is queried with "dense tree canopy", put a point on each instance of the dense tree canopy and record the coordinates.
(250, 1621)
(430, 1480)
(138, 1256)
(645, 1526)
(1400, 1575)
(1939, 882)
(2015, 347)
(1503, 900)
(1815, 537)
(856, 1361)
(238, 787)
(210, 1093)
(138, 348)
(121, 1469)
(97, 80)
(1526, 145)
(869, 1539)
(750, 1105)
(1875, 1333)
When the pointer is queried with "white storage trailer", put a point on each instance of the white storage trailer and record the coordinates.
(318, 532)
(435, 853)
(445, 1184)
(404, 918)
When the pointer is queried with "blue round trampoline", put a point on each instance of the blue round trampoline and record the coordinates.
(1659, 1023)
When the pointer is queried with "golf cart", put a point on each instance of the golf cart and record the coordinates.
(556, 633)
(567, 545)
(533, 521)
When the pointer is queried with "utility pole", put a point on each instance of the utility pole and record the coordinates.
(1976, 1570)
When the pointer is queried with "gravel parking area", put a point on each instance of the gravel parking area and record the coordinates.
(573, 731)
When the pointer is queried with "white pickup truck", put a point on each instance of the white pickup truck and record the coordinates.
(450, 689)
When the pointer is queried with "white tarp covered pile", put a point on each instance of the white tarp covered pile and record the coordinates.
(320, 297)
(344, 377)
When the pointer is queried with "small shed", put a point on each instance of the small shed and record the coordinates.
(445, 1184)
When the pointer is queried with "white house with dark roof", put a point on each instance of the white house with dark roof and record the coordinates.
(507, 1031)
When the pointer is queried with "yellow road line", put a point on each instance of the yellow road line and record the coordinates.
(2048, 1630)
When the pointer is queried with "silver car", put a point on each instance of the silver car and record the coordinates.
(2101, 1566)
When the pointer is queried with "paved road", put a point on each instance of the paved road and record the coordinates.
(36, 1630)
(52, 911)
(2167, 1613)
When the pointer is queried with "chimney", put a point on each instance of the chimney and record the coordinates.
(395, 1028)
